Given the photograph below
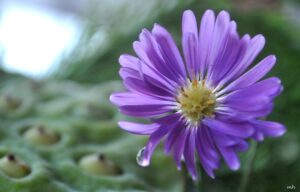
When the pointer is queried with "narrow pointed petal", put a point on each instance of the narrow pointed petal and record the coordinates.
(258, 102)
(140, 106)
(140, 70)
(220, 37)
(169, 50)
(269, 128)
(138, 128)
(270, 87)
(253, 75)
(167, 123)
(230, 157)
(243, 130)
(253, 48)
(179, 147)
(227, 53)
(133, 99)
(246, 113)
(190, 42)
(140, 87)
(149, 50)
(173, 137)
(227, 151)
(207, 152)
(205, 39)
(189, 154)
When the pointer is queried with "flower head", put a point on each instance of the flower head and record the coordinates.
(205, 106)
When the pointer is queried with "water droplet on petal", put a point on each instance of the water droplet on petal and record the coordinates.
(140, 159)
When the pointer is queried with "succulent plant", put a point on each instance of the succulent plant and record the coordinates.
(63, 136)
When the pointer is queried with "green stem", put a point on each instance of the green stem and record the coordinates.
(248, 167)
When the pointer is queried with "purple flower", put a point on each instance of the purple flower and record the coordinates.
(205, 106)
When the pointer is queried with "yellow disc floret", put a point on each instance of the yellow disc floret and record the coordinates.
(196, 101)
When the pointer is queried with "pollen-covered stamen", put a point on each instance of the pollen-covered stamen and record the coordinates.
(196, 101)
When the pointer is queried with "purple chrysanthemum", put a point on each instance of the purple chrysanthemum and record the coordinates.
(206, 106)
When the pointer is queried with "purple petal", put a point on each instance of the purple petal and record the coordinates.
(226, 56)
(243, 130)
(173, 136)
(251, 48)
(255, 103)
(189, 153)
(241, 145)
(269, 128)
(148, 79)
(205, 163)
(141, 106)
(179, 146)
(207, 152)
(129, 99)
(140, 87)
(154, 140)
(149, 51)
(135, 68)
(144, 111)
(227, 151)
(232, 116)
(167, 123)
(220, 36)
(234, 52)
(169, 50)
(190, 42)
(254, 48)
(246, 113)
(270, 87)
(253, 75)
(258, 136)
(230, 157)
(205, 39)
(138, 128)
(207, 140)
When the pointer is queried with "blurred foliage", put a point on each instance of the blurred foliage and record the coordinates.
(110, 33)
(277, 161)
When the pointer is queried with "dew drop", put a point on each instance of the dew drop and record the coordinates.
(140, 159)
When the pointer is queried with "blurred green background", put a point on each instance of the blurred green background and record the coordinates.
(105, 29)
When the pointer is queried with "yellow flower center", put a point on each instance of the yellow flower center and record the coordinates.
(196, 101)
